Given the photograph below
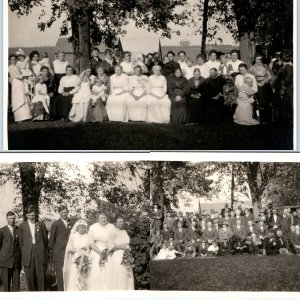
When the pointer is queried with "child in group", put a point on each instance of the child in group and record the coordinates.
(41, 95)
(23, 65)
(45, 61)
(96, 110)
(172, 253)
(213, 249)
(80, 100)
(202, 247)
(163, 252)
(244, 111)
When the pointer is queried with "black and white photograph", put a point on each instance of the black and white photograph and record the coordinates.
(225, 226)
(70, 226)
(150, 75)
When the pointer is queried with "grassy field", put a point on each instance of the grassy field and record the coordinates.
(230, 273)
(141, 136)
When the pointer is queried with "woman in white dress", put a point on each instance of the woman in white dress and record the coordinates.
(137, 99)
(127, 64)
(77, 245)
(121, 275)
(99, 236)
(34, 57)
(19, 100)
(158, 103)
(116, 106)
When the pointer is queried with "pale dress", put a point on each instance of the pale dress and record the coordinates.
(41, 95)
(20, 102)
(116, 105)
(73, 280)
(25, 70)
(80, 103)
(158, 110)
(127, 67)
(137, 109)
(121, 276)
(99, 277)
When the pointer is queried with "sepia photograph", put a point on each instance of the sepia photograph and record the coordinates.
(225, 226)
(149, 75)
(70, 226)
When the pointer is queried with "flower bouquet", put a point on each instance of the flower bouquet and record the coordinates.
(103, 257)
(82, 263)
(127, 259)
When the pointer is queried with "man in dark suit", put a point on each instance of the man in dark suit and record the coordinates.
(59, 236)
(10, 254)
(157, 218)
(239, 236)
(210, 234)
(34, 245)
(275, 221)
(95, 60)
(248, 217)
(286, 222)
(262, 233)
(250, 228)
(180, 237)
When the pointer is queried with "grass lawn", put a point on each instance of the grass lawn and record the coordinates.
(231, 273)
(140, 136)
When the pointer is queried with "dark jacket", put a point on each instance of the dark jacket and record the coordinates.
(10, 252)
(59, 236)
(41, 242)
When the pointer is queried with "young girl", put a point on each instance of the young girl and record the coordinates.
(244, 111)
(96, 110)
(80, 100)
(41, 95)
(23, 65)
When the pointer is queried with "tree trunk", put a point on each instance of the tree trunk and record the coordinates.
(204, 26)
(247, 48)
(232, 186)
(156, 193)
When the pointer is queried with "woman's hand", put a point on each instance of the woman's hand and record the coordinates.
(178, 98)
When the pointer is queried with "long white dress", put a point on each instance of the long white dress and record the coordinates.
(80, 103)
(116, 106)
(20, 102)
(73, 281)
(158, 110)
(122, 276)
(137, 109)
(99, 277)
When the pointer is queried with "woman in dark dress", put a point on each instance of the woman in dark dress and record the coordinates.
(213, 91)
(196, 105)
(178, 90)
(50, 82)
(68, 86)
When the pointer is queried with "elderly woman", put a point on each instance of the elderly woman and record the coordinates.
(178, 88)
(158, 103)
(20, 101)
(116, 106)
(137, 100)
(127, 64)
(68, 86)
(263, 77)
(196, 103)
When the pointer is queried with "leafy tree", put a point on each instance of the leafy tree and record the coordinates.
(93, 22)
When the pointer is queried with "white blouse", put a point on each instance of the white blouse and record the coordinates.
(60, 66)
(158, 85)
(235, 65)
(69, 81)
(40, 89)
(119, 83)
(212, 64)
(138, 84)
(127, 67)
(203, 70)
(14, 72)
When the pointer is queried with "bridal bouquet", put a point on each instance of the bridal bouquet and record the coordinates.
(82, 263)
(103, 257)
(127, 259)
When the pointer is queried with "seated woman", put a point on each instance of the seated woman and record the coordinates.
(68, 86)
(81, 99)
(127, 64)
(178, 88)
(158, 103)
(137, 100)
(116, 106)
(244, 111)
(195, 101)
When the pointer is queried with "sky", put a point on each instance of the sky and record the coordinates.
(23, 32)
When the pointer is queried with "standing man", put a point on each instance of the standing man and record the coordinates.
(10, 254)
(34, 245)
(95, 60)
(59, 236)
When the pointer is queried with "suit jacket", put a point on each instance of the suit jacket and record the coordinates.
(157, 219)
(210, 234)
(239, 233)
(225, 235)
(249, 230)
(296, 220)
(262, 231)
(180, 235)
(193, 234)
(286, 223)
(250, 217)
(59, 236)
(272, 222)
(10, 252)
(166, 234)
(170, 222)
(41, 242)
(94, 64)
(235, 219)
(281, 242)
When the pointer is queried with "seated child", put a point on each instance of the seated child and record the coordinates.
(202, 247)
(172, 253)
(244, 111)
(155, 242)
(254, 244)
(163, 252)
(96, 111)
(213, 249)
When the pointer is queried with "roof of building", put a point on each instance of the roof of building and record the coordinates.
(141, 45)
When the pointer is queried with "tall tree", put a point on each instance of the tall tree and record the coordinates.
(204, 25)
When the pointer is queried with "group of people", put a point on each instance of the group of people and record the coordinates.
(148, 89)
(94, 258)
(226, 233)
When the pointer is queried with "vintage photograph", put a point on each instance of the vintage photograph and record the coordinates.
(74, 226)
(150, 75)
(225, 226)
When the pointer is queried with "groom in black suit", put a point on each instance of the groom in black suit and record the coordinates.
(34, 245)
(10, 254)
(59, 236)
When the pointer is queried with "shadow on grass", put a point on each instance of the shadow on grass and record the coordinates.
(231, 273)
(141, 136)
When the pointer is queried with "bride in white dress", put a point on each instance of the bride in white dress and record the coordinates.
(76, 246)
(122, 276)
(158, 104)
(99, 237)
